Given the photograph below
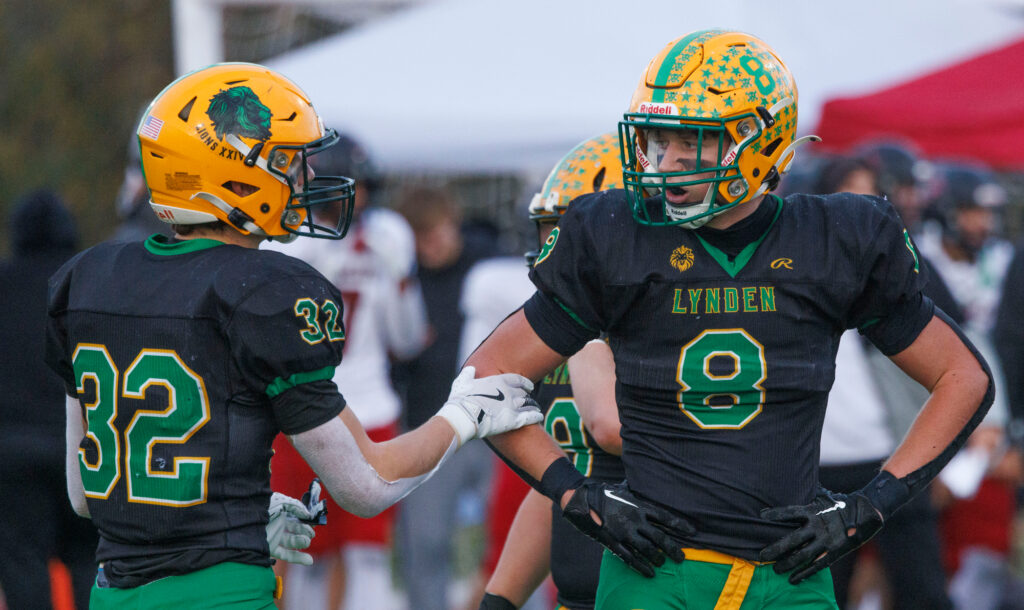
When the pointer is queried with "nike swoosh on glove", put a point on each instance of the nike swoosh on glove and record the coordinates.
(639, 533)
(831, 526)
(478, 408)
(287, 535)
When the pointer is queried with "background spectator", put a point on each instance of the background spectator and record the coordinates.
(427, 518)
(43, 236)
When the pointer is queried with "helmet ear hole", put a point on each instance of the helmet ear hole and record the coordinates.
(770, 149)
(240, 188)
(599, 179)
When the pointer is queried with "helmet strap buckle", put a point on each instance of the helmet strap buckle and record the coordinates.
(766, 116)
(254, 154)
(239, 218)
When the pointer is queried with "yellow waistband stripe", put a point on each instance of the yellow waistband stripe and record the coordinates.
(709, 556)
(736, 584)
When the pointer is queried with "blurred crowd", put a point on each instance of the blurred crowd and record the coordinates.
(423, 285)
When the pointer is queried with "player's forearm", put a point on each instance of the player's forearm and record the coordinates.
(526, 557)
(943, 361)
(953, 402)
(412, 454)
(340, 453)
(529, 448)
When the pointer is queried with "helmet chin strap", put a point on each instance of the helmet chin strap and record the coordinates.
(223, 206)
(792, 148)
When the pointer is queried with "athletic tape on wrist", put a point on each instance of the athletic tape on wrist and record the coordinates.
(460, 420)
(560, 477)
(886, 493)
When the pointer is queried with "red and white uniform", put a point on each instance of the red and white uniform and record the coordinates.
(384, 313)
(384, 317)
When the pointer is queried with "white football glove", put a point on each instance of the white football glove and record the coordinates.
(286, 534)
(478, 408)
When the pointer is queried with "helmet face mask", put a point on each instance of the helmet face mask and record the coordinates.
(731, 96)
(232, 142)
(691, 159)
(310, 192)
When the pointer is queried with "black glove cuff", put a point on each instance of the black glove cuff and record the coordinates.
(560, 477)
(495, 602)
(886, 493)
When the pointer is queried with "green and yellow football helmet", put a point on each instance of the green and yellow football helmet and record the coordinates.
(734, 97)
(591, 166)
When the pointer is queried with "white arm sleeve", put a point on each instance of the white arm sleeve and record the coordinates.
(332, 452)
(74, 432)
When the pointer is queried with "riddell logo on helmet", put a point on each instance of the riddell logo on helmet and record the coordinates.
(642, 158)
(656, 108)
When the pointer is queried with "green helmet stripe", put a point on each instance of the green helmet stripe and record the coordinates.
(665, 70)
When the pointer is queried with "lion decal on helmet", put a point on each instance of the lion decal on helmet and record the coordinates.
(239, 111)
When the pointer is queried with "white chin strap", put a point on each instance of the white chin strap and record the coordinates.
(682, 212)
(791, 150)
(224, 207)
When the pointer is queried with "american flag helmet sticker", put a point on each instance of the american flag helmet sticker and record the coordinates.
(151, 127)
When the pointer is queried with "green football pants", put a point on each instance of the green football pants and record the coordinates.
(709, 580)
(225, 585)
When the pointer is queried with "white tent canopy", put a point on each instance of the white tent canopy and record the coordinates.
(477, 85)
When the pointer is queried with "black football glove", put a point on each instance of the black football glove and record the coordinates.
(832, 525)
(639, 533)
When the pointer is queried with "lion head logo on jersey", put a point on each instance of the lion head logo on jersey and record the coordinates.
(682, 258)
(240, 112)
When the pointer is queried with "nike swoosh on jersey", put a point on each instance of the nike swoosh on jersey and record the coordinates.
(612, 495)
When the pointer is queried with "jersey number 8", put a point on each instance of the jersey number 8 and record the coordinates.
(721, 372)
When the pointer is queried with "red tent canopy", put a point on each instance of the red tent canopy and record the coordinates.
(974, 109)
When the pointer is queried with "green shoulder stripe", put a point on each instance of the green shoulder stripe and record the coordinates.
(279, 385)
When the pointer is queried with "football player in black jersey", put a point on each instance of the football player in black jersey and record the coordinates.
(184, 357)
(578, 401)
(723, 305)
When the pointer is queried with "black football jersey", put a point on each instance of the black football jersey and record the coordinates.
(575, 558)
(724, 363)
(188, 358)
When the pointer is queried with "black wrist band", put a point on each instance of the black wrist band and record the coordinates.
(560, 477)
(495, 602)
(886, 493)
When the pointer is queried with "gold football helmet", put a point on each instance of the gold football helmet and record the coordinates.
(232, 142)
(592, 166)
(731, 97)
